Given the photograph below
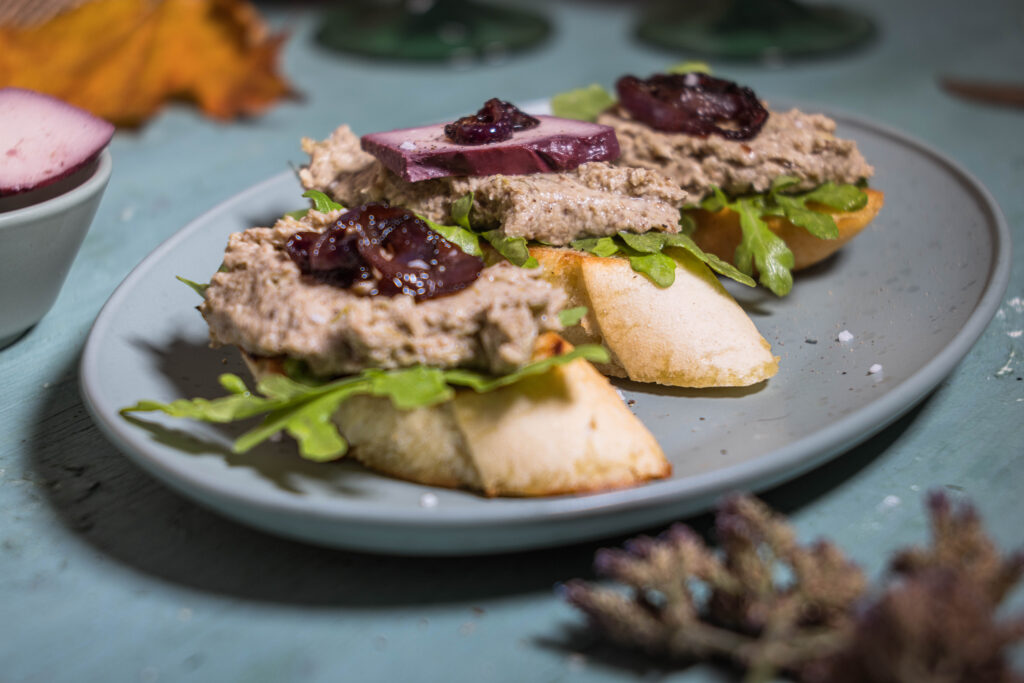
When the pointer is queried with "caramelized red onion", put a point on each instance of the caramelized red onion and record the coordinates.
(494, 122)
(388, 248)
(693, 103)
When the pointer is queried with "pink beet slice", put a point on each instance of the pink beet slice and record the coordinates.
(43, 139)
(555, 145)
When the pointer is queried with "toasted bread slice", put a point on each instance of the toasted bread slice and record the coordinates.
(566, 431)
(719, 232)
(691, 334)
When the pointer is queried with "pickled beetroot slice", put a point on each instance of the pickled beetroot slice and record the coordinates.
(693, 103)
(387, 247)
(43, 139)
(554, 145)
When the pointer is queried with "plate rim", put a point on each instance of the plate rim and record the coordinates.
(764, 471)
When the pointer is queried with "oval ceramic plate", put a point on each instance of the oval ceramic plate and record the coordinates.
(915, 291)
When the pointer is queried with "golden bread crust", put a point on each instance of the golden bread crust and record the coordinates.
(566, 431)
(691, 334)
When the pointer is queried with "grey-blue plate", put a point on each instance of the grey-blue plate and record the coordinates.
(915, 289)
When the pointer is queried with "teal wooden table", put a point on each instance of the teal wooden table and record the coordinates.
(106, 575)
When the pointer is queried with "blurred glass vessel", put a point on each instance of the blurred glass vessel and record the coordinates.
(429, 29)
(753, 29)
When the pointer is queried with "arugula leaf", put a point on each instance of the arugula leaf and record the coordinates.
(687, 223)
(582, 104)
(684, 241)
(794, 208)
(782, 182)
(642, 250)
(688, 67)
(307, 418)
(514, 249)
(459, 234)
(464, 239)
(460, 210)
(297, 214)
(321, 202)
(761, 247)
(236, 406)
(821, 225)
(661, 269)
(572, 316)
(484, 383)
(716, 201)
(646, 242)
(840, 197)
(314, 430)
(410, 388)
(598, 246)
(306, 411)
(198, 287)
(635, 246)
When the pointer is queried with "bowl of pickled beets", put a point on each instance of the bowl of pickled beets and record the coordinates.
(54, 167)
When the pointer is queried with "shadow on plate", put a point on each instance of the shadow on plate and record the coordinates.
(192, 368)
(685, 392)
(577, 639)
(116, 507)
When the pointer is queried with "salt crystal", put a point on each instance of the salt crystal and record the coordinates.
(874, 369)
(845, 336)
(889, 502)
(428, 500)
(408, 145)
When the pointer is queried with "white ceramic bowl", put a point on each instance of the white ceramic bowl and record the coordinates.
(40, 233)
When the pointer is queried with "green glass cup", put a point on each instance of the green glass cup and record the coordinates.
(429, 30)
(753, 29)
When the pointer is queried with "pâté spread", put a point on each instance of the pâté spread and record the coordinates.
(262, 302)
(704, 132)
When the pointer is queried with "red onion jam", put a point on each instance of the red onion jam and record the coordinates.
(494, 122)
(387, 248)
(693, 103)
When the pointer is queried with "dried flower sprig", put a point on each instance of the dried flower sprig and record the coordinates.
(686, 602)
(936, 621)
(769, 605)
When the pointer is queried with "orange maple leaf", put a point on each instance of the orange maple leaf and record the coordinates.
(123, 59)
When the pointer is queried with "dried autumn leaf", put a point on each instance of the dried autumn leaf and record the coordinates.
(123, 59)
